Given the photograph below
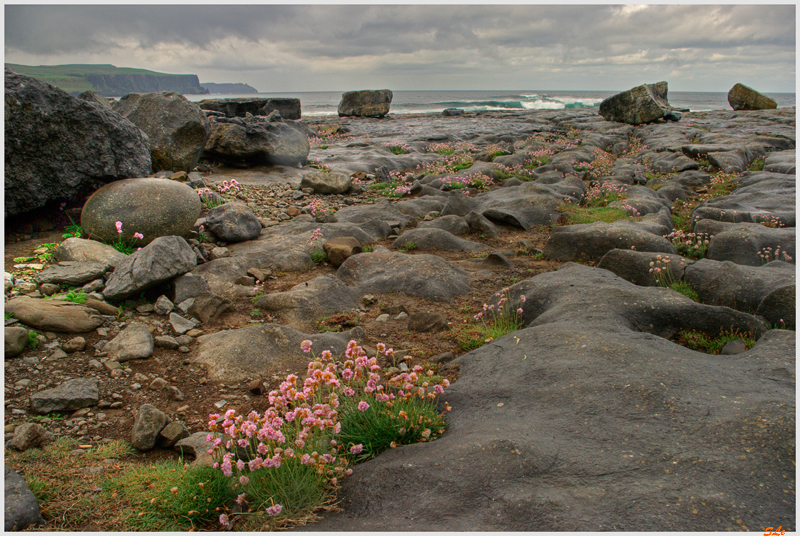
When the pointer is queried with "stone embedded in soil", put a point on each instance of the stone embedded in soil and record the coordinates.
(134, 342)
(147, 425)
(71, 395)
(49, 315)
(20, 504)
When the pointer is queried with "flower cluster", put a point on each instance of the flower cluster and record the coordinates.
(449, 163)
(769, 220)
(317, 163)
(600, 195)
(124, 246)
(769, 254)
(472, 181)
(661, 269)
(316, 235)
(303, 426)
(451, 147)
(224, 187)
(692, 245)
(502, 313)
(398, 148)
(315, 206)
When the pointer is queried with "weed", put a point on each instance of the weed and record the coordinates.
(409, 246)
(691, 245)
(319, 256)
(337, 323)
(703, 342)
(33, 339)
(686, 289)
(579, 214)
(76, 297)
(757, 164)
(8, 315)
(398, 148)
(767, 254)
(256, 312)
(257, 297)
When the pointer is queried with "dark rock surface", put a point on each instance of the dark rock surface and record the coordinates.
(20, 506)
(177, 128)
(255, 141)
(642, 104)
(613, 426)
(289, 108)
(366, 103)
(741, 97)
(96, 145)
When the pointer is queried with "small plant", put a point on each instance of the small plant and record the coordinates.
(318, 255)
(367, 249)
(703, 342)
(76, 296)
(409, 246)
(33, 339)
(126, 246)
(603, 194)
(256, 313)
(774, 222)
(757, 164)
(538, 256)
(686, 289)
(48, 417)
(318, 164)
(8, 315)
(496, 320)
(398, 148)
(661, 269)
(691, 245)
(257, 297)
(768, 254)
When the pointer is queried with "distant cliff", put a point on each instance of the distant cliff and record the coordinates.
(119, 85)
(228, 89)
(110, 81)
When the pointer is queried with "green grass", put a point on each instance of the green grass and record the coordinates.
(686, 289)
(171, 496)
(337, 323)
(579, 214)
(33, 339)
(475, 336)
(76, 297)
(703, 342)
(319, 256)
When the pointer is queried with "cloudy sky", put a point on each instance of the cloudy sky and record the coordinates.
(285, 48)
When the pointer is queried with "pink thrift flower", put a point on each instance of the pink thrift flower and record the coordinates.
(240, 498)
(243, 480)
(119, 226)
(306, 346)
(355, 449)
(223, 520)
(274, 510)
(140, 236)
(363, 406)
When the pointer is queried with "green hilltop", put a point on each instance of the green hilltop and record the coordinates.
(109, 80)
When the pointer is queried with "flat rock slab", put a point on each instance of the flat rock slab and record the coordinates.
(584, 421)
(422, 275)
(71, 273)
(83, 250)
(71, 395)
(50, 315)
(753, 244)
(433, 238)
(634, 266)
(258, 351)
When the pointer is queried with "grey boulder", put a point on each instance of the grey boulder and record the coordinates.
(642, 104)
(366, 103)
(20, 505)
(233, 222)
(71, 395)
(741, 97)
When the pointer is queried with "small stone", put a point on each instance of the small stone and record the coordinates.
(382, 318)
(76, 344)
(193, 333)
(733, 347)
(146, 308)
(57, 354)
(256, 386)
(158, 384)
(136, 386)
(95, 364)
(221, 404)
(174, 393)
(112, 365)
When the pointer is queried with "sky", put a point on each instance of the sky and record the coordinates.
(324, 47)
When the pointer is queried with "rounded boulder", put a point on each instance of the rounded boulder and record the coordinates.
(149, 206)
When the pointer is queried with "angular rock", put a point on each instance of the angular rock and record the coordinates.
(427, 322)
(20, 505)
(188, 286)
(340, 248)
(642, 104)
(163, 306)
(455, 225)
(177, 127)
(366, 103)
(289, 108)
(95, 145)
(133, 342)
(779, 307)
(71, 395)
(15, 341)
(634, 266)
(171, 434)
(50, 315)
(147, 425)
(163, 259)
(30, 436)
(208, 306)
(741, 97)
(196, 445)
(327, 183)
(75, 344)
(233, 222)
(151, 207)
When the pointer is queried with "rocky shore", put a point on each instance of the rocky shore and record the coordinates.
(595, 415)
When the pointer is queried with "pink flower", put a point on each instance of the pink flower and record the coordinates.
(240, 498)
(243, 480)
(363, 406)
(274, 510)
(119, 226)
(140, 236)
(355, 449)
(306, 346)
(223, 520)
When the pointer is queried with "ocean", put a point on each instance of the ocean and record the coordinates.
(322, 103)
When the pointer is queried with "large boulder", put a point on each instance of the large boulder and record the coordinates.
(162, 260)
(56, 145)
(289, 108)
(642, 104)
(367, 103)
(593, 240)
(741, 97)
(73, 394)
(255, 141)
(149, 206)
(21, 508)
(177, 127)
(83, 250)
(327, 183)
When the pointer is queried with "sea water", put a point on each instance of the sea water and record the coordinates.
(322, 103)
